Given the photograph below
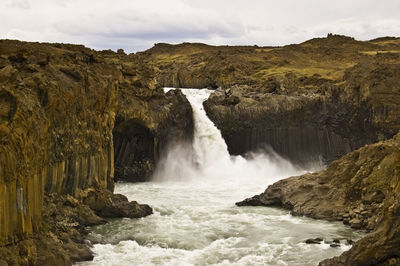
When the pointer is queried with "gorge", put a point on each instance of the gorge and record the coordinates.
(194, 220)
(74, 120)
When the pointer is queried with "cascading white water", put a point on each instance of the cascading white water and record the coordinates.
(208, 159)
(209, 146)
(195, 221)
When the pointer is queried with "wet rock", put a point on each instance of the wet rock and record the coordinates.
(334, 245)
(130, 209)
(109, 205)
(254, 201)
(314, 241)
(356, 223)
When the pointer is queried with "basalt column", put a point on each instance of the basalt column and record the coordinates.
(134, 151)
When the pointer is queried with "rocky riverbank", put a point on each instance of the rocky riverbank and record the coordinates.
(361, 189)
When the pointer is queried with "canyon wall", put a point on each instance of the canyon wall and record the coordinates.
(147, 122)
(58, 108)
(321, 122)
(57, 115)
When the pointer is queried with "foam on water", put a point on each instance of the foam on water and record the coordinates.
(195, 221)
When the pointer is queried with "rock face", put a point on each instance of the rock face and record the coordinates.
(55, 132)
(317, 100)
(147, 120)
(58, 108)
(145, 127)
(361, 189)
(322, 122)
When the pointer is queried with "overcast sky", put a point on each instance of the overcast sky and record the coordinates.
(136, 25)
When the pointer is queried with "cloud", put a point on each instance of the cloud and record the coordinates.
(19, 4)
(136, 25)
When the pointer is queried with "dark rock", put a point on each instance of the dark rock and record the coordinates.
(254, 201)
(79, 252)
(109, 205)
(334, 245)
(356, 223)
(119, 198)
(87, 217)
(126, 209)
(313, 241)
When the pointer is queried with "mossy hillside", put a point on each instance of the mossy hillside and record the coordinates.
(223, 65)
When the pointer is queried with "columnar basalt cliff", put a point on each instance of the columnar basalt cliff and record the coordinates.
(55, 132)
(147, 120)
(309, 119)
(317, 100)
(58, 105)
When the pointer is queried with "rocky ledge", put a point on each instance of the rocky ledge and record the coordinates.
(361, 189)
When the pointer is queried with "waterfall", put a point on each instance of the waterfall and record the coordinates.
(207, 158)
(208, 145)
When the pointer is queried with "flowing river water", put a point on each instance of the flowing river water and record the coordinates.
(195, 220)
